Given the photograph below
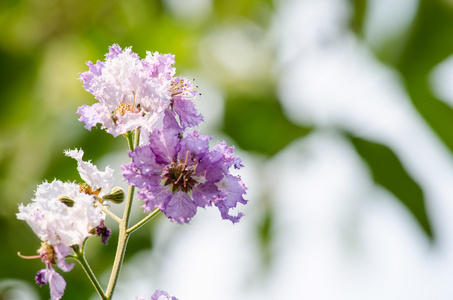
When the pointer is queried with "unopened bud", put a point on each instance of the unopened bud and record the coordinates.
(116, 195)
(66, 200)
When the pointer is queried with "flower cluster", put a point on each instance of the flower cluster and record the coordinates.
(173, 165)
(175, 174)
(178, 174)
(134, 92)
(63, 214)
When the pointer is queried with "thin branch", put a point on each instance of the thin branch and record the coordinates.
(154, 213)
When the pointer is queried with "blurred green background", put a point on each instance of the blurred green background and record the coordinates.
(44, 44)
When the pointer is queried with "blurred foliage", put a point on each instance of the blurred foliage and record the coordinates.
(388, 172)
(258, 124)
(428, 45)
(358, 17)
(44, 44)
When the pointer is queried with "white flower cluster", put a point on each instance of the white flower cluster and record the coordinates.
(60, 213)
(54, 221)
(132, 92)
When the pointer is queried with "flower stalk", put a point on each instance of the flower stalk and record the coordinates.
(123, 224)
(154, 213)
(108, 212)
(80, 257)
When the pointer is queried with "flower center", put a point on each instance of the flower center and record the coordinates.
(180, 175)
(47, 253)
(124, 108)
(86, 189)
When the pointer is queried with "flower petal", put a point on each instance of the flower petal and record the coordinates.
(62, 251)
(159, 293)
(90, 173)
(180, 208)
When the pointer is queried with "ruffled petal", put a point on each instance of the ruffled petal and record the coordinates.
(90, 173)
(180, 208)
(56, 282)
(233, 188)
(157, 196)
(57, 285)
(89, 115)
(62, 251)
(206, 194)
(159, 293)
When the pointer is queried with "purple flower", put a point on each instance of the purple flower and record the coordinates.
(134, 92)
(178, 174)
(157, 296)
(49, 254)
(104, 232)
(181, 106)
(56, 282)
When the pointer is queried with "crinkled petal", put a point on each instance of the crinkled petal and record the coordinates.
(144, 160)
(159, 293)
(180, 208)
(206, 194)
(229, 157)
(88, 77)
(42, 277)
(170, 122)
(188, 114)
(62, 251)
(165, 146)
(56, 282)
(55, 222)
(157, 196)
(90, 173)
(233, 189)
(57, 285)
(114, 51)
(160, 64)
(135, 178)
(197, 145)
(89, 115)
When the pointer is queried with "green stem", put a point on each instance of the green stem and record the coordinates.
(130, 140)
(143, 222)
(108, 212)
(123, 235)
(80, 256)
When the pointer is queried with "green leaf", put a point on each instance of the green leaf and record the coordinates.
(388, 172)
(358, 18)
(259, 124)
(429, 44)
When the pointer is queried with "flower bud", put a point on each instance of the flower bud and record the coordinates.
(116, 195)
(66, 200)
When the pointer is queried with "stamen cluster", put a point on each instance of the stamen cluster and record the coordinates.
(180, 176)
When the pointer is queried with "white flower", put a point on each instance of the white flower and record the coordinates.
(131, 92)
(90, 173)
(56, 222)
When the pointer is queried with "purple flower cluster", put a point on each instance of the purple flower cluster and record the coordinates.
(175, 171)
(178, 174)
